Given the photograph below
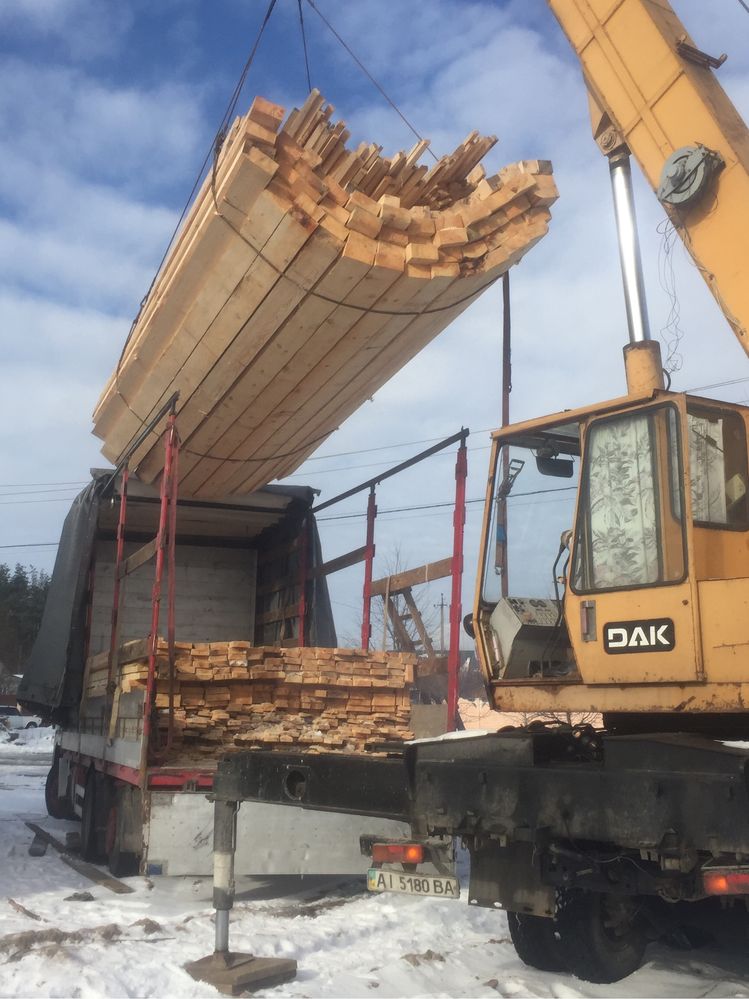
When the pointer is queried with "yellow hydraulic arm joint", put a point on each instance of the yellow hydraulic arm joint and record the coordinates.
(655, 92)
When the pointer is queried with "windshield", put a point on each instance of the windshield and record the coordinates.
(523, 539)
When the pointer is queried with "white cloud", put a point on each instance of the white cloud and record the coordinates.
(86, 30)
(131, 136)
(88, 165)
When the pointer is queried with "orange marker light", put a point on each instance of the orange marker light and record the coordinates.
(726, 882)
(399, 853)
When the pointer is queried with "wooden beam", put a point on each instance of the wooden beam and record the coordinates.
(400, 631)
(412, 577)
(341, 562)
(282, 614)
(305, 275)
(139, 558)
(418, 621)
(87, 870)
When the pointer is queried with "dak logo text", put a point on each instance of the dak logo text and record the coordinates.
(655, 635)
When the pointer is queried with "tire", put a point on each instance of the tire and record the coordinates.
(121, 862)
(536, 942)
(31, 725)
(601, 935)
(57, 807)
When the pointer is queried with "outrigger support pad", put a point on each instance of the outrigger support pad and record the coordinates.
(234, 974)
(230, 972)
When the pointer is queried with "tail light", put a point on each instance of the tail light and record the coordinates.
(398, 853)
(726, 882)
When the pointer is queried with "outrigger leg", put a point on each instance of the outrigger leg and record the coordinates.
(230, 972)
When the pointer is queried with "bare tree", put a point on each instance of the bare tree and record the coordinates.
(400, 621)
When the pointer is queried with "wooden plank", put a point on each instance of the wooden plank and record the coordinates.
(400, 631)
(208, 326)
(139, 558)
(282, 614)
(270, 389)
(413, 577)
(370, 369)
(183, 300)
(418, 621)
(266, 361)
(236, 171)
(87, 870)
(341, 562)
(336, 377)
(266, 300)
(325, 361)
(274, 331)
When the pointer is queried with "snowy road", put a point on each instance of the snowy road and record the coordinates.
(347, 943)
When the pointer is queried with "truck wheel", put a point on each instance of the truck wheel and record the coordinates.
(536, 942)
(122, 862)
(601, 936)
(58, 807)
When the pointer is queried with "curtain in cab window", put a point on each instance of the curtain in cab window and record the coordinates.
(623, 533)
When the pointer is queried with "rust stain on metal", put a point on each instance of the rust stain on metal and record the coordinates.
(683, 705)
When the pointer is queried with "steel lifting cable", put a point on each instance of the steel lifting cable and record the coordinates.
(369, 76)
(211, 154)
(304, 44)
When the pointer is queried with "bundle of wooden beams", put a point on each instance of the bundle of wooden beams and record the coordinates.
(306, 274)
(230, 695)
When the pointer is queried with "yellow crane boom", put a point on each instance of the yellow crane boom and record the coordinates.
(653, 90)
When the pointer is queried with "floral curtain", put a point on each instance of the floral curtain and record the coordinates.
(622, 513)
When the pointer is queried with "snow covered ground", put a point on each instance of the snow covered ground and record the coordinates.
(347, 943)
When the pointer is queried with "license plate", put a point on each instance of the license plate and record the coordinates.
(412, 884)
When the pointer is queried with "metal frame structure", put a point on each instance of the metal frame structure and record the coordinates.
(162, 548)
(424, 573)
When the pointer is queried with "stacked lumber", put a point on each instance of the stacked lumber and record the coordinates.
(306, 274)
(230, 695)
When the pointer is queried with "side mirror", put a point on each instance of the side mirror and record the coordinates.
(560, 468)
(468, 626)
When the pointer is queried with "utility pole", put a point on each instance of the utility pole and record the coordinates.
(442, 606)
(506, 390)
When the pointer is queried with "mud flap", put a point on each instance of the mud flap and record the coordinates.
(508, 877)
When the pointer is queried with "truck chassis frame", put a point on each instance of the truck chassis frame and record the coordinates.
(539, 810)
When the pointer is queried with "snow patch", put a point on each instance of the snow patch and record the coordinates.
(29, 741)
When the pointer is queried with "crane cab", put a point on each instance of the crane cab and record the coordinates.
(645, 612)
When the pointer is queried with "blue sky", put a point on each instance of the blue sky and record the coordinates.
(106, 112)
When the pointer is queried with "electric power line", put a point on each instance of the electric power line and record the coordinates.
(377, 464)
(447, 503)
(37, 492)
(33, 544)
(26, 502)
(20, 485)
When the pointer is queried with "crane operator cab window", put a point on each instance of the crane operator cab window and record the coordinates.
(629, 529)
(718, 468)
(526, 529)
